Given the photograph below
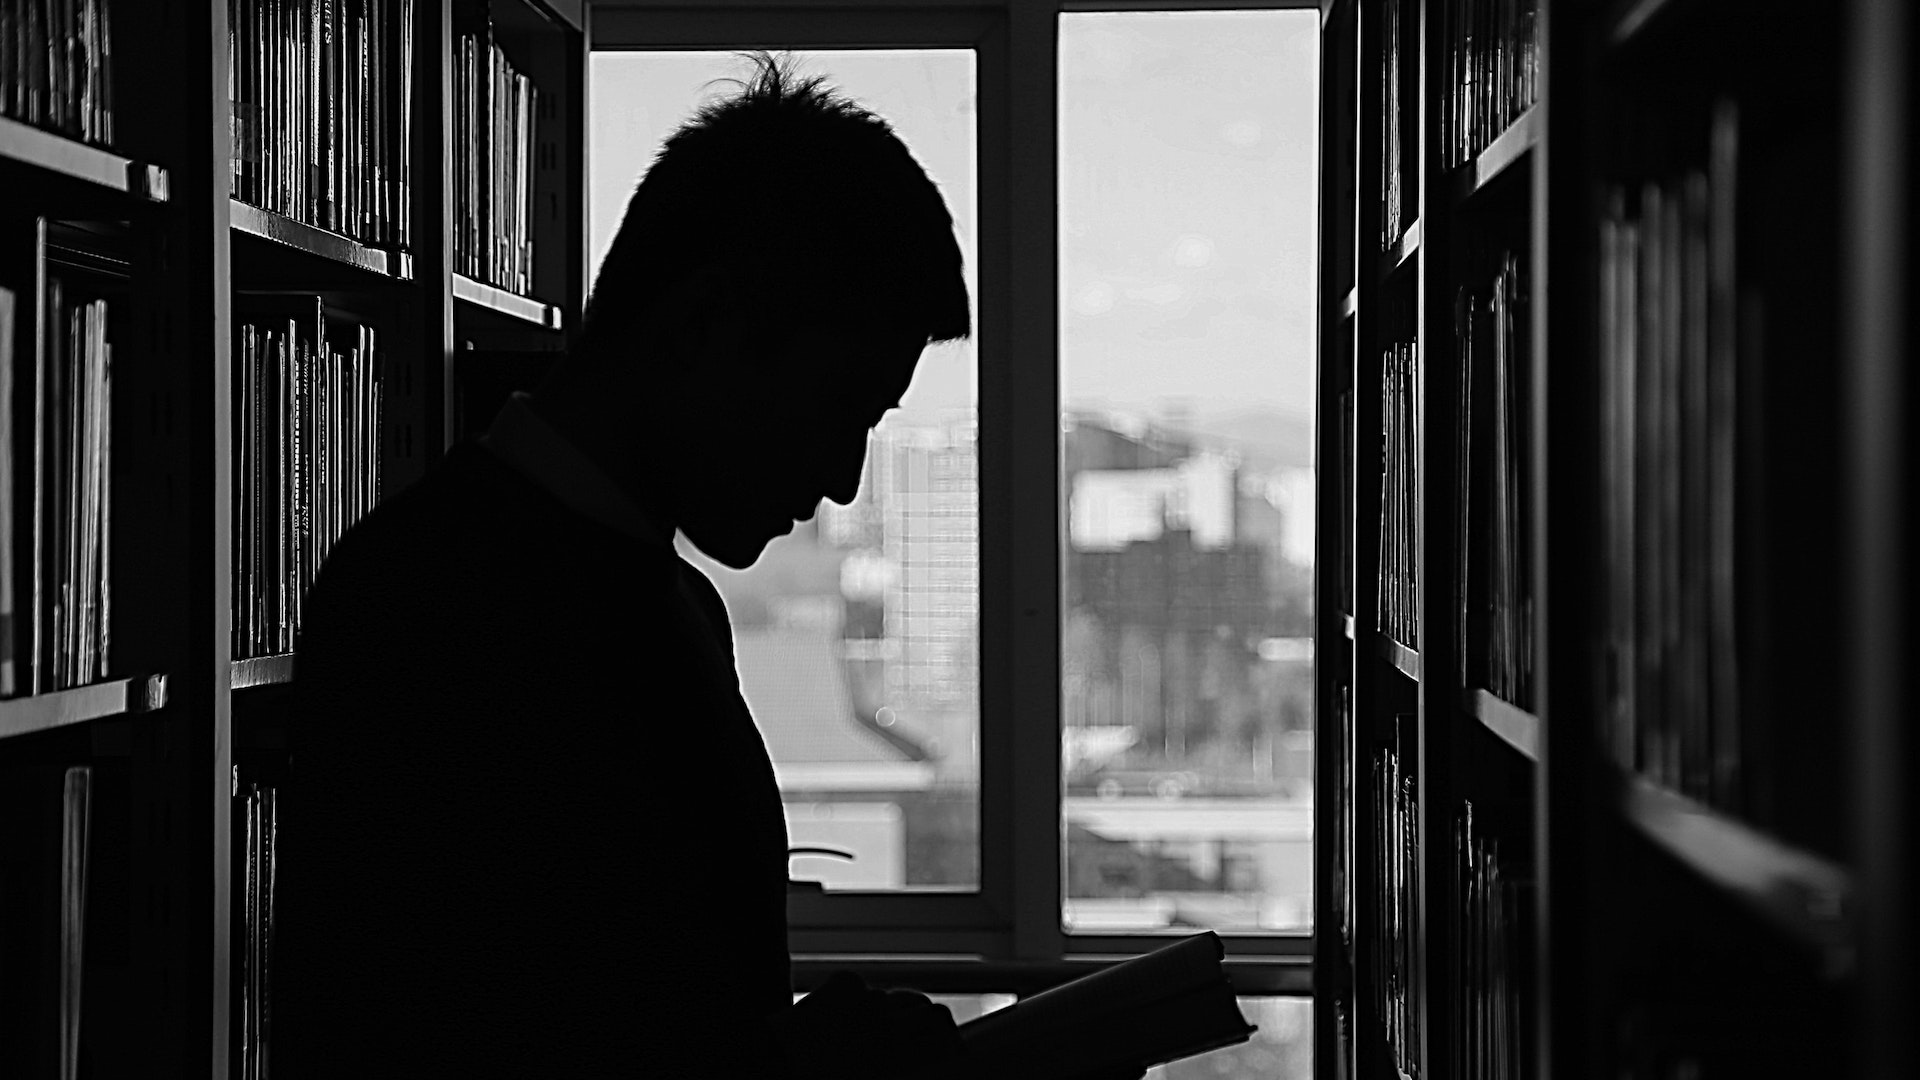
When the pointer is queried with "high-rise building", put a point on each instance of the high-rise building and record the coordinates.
(926, 480)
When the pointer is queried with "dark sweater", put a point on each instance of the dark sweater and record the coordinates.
(530, 828)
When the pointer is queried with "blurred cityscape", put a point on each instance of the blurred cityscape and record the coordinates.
(1187, 668)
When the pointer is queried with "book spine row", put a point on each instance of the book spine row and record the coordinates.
(1669, 408)
(1343, 840)
(256, 832)
(1348, 493)
(306, 463)
(1491, 931)
(70, 560)
(1398, 608)
(1394, 906)
(1399, 137)
(494, 109)
(56, 66)
(1492, 501)
(76, 830)
(1492, 72)
(318, 92)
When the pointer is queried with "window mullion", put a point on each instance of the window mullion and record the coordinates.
(1020, 461)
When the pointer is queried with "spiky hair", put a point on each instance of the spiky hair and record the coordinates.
(815, 187)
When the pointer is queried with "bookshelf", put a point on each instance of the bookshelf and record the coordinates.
(250, 223)
(1605, 801)
(1516, 727)
(1663, 926)
(27, 151)
(80, 704)
(189, 220)
(276, 670)
(510, 305)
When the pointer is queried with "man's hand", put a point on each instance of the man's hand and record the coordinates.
(847, 1030)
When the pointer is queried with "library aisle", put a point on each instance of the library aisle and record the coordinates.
(1609, 290)
(1615, 498)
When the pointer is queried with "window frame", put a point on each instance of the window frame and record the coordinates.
(1008, 935)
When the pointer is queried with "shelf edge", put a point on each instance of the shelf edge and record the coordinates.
(282, 230)
(1508, 149)
(273, 670)
(62, 155)
(493, 298)
(1405, 660)
(1403, 252)
(1802, 894)
(77, 705)
(1635, 20)
(1515, 726)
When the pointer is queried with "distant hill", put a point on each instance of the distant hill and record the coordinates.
(1265, 439)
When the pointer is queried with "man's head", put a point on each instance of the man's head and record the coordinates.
(779, 270)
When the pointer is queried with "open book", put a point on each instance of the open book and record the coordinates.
(1171, 1003)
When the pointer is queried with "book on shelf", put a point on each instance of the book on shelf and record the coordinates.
(495, 109)
(256, 835)
(1168, 1004)
(57, 72)
(1490, 934)
(320, 93)
(1493, 597)
(76, 819)
(45, 890)
(12, 663)
(1669, 415)
(1393, 909)
(56, 522)
(306, 455)
(1344, 839)
(1492, 72)
(1348, 493)
(1399, 136)
(1398, 602)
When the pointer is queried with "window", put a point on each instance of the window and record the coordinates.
(1187, 288)
(901, 798)
(1095, 819)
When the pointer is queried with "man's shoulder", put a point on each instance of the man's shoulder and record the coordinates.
(473, 521)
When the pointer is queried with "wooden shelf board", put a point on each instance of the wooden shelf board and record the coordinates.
(1402, 254)
(262, 671)
(1516, 727)
(284, 231)
(1639, 17)
(1511, 147)
(1406, 660)
(59, 708)
(58, 155)
(1804, 895)
(565, 12)
(506, 303)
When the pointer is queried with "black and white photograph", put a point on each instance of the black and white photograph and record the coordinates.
(959, 539)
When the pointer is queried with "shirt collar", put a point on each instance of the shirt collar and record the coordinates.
(525, 441)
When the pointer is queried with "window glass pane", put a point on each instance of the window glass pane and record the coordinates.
(856, 637)
(1188, 263)
(965, 1007)
(1281, 1050)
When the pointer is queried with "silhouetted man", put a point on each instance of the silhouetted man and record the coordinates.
(531, 829)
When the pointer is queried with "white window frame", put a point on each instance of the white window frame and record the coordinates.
(1006, 936)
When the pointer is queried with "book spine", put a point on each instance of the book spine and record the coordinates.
(10, 637)
(75, 841)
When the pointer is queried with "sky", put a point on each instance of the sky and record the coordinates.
(1188, 207)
